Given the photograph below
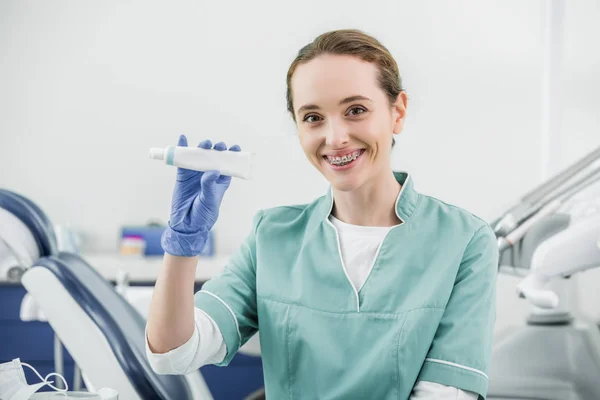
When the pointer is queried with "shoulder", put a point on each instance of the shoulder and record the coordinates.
(456, 230)
(283, 213)
(449, 218)
(478, 242)
(290, 217)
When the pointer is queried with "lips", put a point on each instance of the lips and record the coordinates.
(340, 161)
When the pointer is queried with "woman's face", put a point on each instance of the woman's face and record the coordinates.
(345, 121)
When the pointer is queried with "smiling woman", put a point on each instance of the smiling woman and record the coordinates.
(345, 106)
(371, 291)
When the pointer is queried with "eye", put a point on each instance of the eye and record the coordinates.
(311, 118)
(357, 111)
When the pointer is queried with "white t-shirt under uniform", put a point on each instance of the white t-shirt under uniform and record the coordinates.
(359, 246)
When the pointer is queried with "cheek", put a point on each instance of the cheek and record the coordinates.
(374, 135)
(368, 132)
(303, 138)
(378, 133)
(308, 143)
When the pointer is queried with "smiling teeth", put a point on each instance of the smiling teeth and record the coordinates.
(345, 159)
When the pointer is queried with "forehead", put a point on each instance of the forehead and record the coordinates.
(327, 79)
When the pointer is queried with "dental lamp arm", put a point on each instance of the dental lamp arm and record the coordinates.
(520, 231)
(541, 195)
(573, 250)
(520, 228)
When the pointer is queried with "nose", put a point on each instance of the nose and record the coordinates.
(336, 134)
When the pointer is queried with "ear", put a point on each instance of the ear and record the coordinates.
(399, 112)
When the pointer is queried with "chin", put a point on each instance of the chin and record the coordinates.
(344, 183)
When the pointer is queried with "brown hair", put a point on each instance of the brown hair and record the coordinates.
(355, 43)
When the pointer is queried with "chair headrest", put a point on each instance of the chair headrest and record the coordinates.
(121, 324)
(18, 247)
(34, 218)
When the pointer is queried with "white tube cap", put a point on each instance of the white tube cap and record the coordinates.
(157, 154)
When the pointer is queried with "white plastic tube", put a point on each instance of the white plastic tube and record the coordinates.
(232, 163)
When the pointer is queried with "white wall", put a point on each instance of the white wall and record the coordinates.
(86, 88)
(581, 80)
(90, 86)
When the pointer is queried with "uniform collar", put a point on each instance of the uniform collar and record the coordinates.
(406, 202)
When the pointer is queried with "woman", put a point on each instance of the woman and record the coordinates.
(372, 291)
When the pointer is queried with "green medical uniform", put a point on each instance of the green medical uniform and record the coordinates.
(426, 311)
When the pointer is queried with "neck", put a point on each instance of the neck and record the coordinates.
(372, 204)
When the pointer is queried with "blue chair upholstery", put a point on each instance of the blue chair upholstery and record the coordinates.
(34, 218)
(121, 324)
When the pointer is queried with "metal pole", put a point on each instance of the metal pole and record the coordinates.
(58, 361)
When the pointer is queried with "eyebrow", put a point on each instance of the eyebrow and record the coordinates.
(312, 107)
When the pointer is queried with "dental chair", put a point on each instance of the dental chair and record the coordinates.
(93, 316)
(550, 235)
(83, 309)
(26, 234)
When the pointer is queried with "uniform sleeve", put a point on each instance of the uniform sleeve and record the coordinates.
(461, 350)
(206, 346)
(434, 391)
(230, 298)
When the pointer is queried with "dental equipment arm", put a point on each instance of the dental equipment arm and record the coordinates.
(537, 198)
(573, 250)
(555, 202)
(545, 200)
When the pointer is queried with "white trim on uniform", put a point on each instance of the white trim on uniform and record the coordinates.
(373, 262)
(237, 326)
(457, 366)
(339, 248)
(398, 198)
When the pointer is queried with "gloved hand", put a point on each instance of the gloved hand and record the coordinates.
(195, 206)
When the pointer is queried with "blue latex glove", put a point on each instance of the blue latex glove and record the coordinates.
(195, 206)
